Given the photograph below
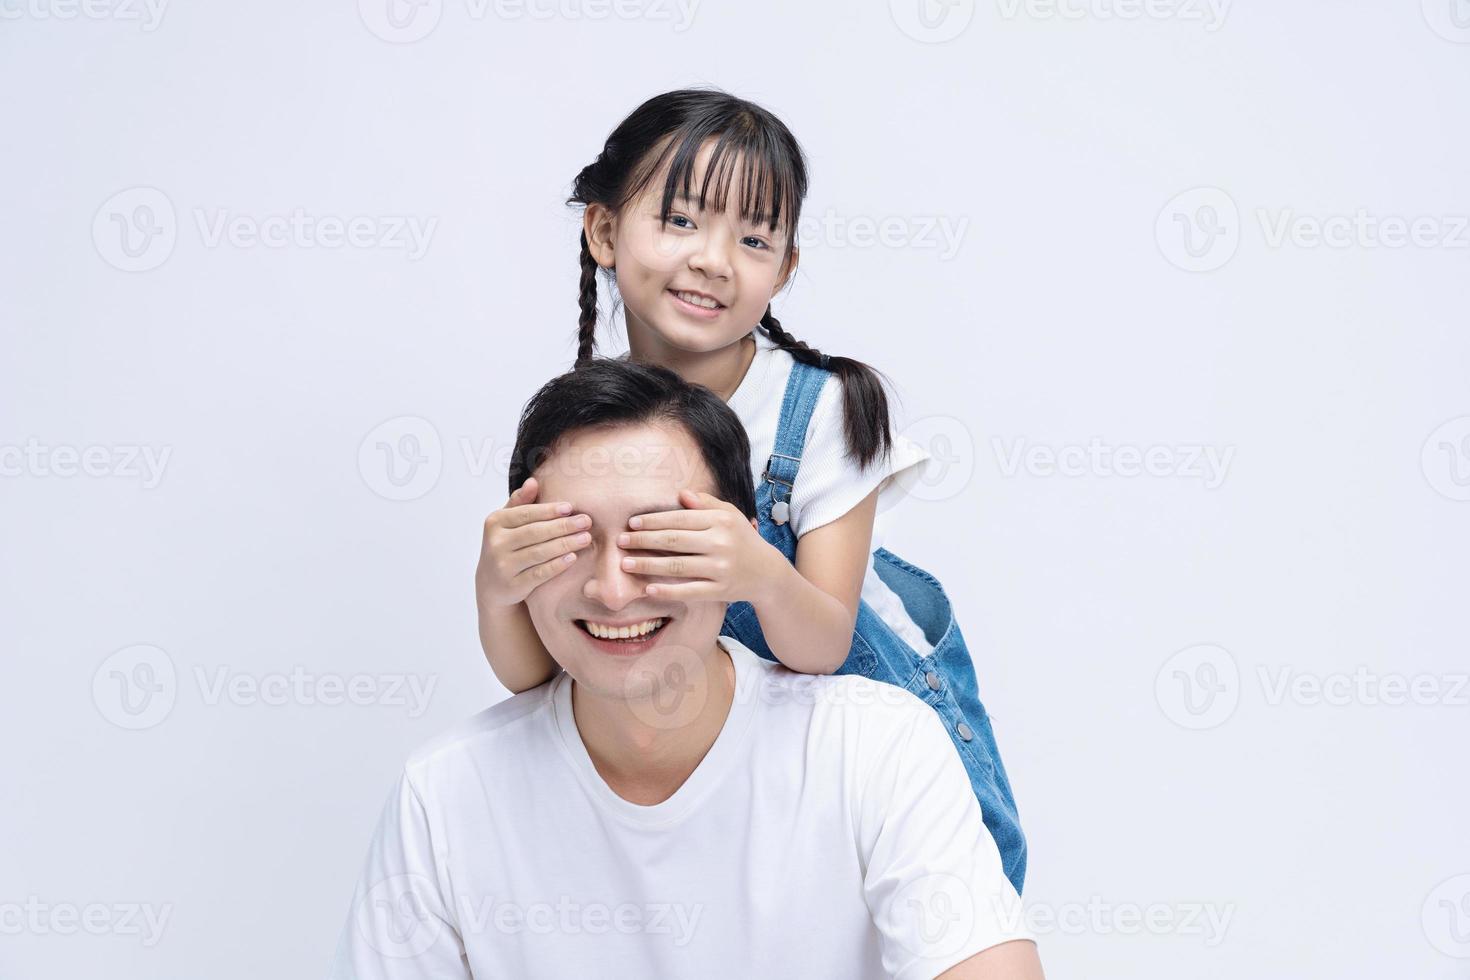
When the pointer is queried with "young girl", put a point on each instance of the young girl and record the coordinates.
(691, 211)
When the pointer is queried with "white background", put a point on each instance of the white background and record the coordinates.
(1131, 631)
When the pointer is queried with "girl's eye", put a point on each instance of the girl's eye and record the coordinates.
(759, 243)
(679, 217)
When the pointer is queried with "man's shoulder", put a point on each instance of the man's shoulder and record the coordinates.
(863, 700)
(515, 720)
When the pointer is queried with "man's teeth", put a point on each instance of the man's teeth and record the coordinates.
(623, 632)
(697, 300)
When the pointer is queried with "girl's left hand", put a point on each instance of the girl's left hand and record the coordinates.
(718, 549)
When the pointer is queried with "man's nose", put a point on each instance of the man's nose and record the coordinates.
(609, 583)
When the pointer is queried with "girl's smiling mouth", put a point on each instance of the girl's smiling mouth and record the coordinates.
(697, 304)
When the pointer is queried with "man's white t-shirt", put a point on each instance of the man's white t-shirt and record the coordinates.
(830, 831)
(829, 484)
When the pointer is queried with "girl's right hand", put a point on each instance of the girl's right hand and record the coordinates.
(525, 544)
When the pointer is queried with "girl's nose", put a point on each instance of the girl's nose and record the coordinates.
(712, 257)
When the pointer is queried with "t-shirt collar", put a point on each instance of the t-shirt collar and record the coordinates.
(710, 770)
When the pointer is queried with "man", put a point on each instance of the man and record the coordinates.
(670, 804)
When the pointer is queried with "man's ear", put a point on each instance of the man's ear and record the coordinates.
(599, 227)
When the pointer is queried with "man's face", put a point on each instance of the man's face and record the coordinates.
(610, 474)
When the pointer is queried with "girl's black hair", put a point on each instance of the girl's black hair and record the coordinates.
(605, 392)
(677, 124)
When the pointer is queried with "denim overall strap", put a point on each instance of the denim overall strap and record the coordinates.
(779, 475)
(944, 679)
(773, 492)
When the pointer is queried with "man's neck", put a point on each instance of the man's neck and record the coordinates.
(645, 753)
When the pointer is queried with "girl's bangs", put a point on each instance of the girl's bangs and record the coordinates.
(768, 176)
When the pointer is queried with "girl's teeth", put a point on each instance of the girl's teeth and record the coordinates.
(708, 304)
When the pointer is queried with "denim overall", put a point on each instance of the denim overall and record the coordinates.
(944, 680)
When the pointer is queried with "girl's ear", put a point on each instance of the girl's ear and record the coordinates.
(787, 271)
(597, 225)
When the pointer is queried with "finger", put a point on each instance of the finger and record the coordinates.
(689, 520)
(698, 500)
(685, 591)
(524, 558)
(519, 516)
(685, 542)
(544, 530)
(536, 574)
(525, 493)
(678, 566)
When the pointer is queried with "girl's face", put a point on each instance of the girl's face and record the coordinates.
(699, 281)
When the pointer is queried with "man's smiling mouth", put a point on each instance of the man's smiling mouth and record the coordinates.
(626, 633)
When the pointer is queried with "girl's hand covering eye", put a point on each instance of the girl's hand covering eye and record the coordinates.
(711, 545)
(526, 543)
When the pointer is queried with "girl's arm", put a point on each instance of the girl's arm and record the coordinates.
(807, 611)
(515, 651)
(524, 544)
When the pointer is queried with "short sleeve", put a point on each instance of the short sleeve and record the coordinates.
(400, 925)
(828, 482)
(933, 881)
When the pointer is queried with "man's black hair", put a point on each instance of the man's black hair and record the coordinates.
(605, 392)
